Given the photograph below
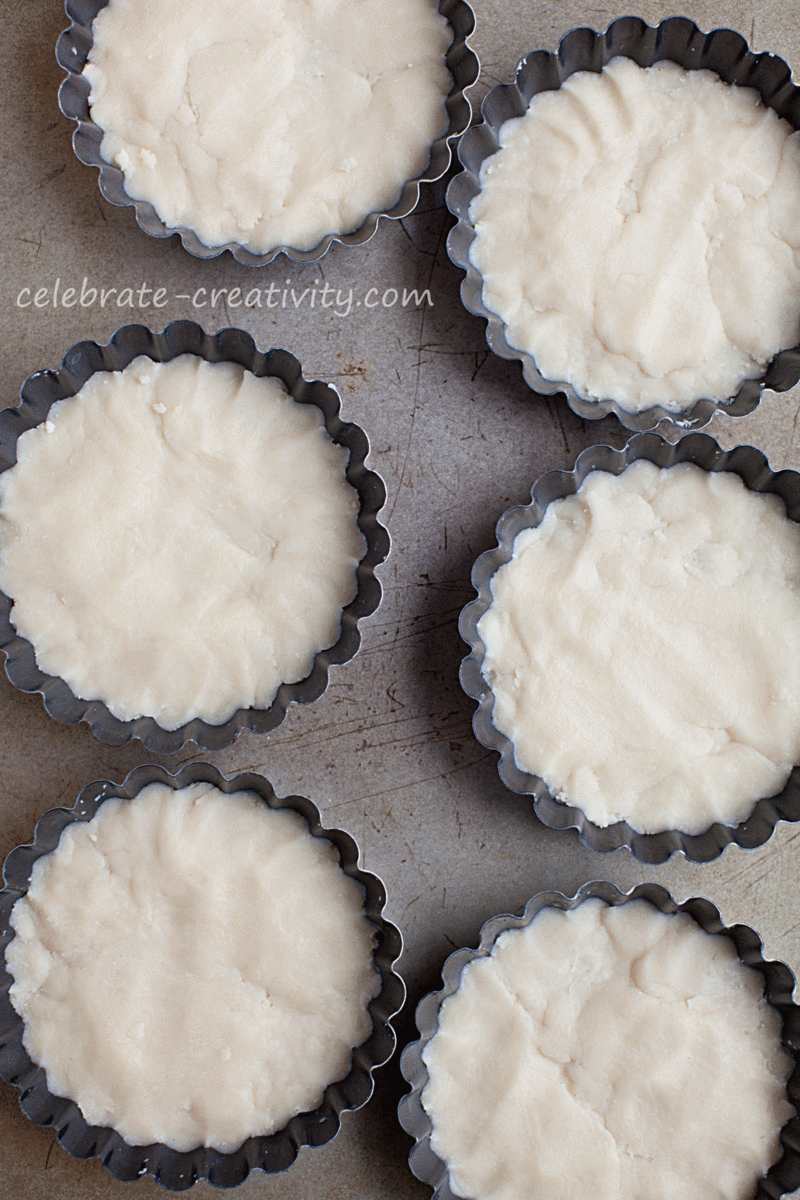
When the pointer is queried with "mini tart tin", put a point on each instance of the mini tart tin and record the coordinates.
(678, 39)
(173, 1169)
(72, 51)
(698, 448)
(782, 1177)
(44, 388)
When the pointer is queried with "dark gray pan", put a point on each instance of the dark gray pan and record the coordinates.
(698, 448)
(43, 389)
(72, 51)
(679, 40)
(783, 1177)
(173, 1169)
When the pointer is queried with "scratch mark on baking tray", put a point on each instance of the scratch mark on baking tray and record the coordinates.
(441, 585)
(49, 1152)
(555, 413)
(438, 621)
(419, 249)
(439, 624)
(409, 783)
(432, 347)
(52, 175)
(423, 312)
(458, 732)
(745, 870)
(426, 212)
(754, 879)
(100, 208)
(451, 489)
(481, 435)
(492, 78)
(451, 726)
(33, 242)
(480, 359)
(794, 430)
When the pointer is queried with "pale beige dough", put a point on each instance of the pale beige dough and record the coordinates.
(192, 968)
(179, 539)
(643, 648)
(268, 124)
(639, 234)
(611, 1052)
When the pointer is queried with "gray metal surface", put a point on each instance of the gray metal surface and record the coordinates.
(388, 752)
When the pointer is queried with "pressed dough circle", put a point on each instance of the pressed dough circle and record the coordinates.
(268, 124)
(612, 1052)
(192, 968)
(642, 645)
(638, 234)
(179, 539)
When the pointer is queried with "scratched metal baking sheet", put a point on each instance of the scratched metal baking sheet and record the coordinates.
(388, 753)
